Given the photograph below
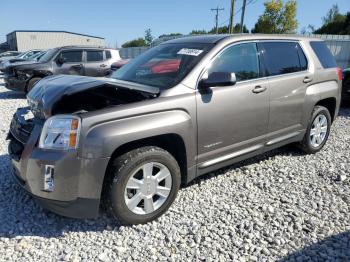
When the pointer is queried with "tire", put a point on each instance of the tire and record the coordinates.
(130, 165)
(31, 83)
(308, 145)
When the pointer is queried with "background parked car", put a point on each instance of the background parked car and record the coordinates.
(9, 54)
(116, 65)
(29, 56)
(69, 60)
(346, 85)
(24, 55)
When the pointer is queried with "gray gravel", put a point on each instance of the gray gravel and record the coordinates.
(282, 205)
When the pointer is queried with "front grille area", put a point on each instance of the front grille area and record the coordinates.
(9, 71)
(20, 130)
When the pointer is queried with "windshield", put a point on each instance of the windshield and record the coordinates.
(48, 55)
(163, 66)
(25, 55)
(36, 56)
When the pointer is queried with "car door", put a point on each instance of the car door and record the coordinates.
(288, 79)
(96, 64)
(71, 62)
(233, 120)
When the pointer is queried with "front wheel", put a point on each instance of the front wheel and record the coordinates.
(145, 183)
(318, 130)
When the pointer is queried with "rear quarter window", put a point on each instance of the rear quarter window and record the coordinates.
(323, 54)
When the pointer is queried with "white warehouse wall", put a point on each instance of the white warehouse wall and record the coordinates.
(45, 40)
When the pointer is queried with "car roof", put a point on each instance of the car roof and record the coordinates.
(213, 39)
(82, 47)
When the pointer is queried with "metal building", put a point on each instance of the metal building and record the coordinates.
(23, 40)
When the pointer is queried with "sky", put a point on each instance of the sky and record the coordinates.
(119, 21)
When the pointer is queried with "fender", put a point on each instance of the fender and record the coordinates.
(316, 93)
(101, 140)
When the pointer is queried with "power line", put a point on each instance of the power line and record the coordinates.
(217, 9)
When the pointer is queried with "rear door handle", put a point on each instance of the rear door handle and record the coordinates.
(307, 80)
(103, 65)
(259, 89)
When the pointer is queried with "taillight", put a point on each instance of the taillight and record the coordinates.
(340, 73)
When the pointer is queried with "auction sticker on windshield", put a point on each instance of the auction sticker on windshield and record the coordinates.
(188, 51)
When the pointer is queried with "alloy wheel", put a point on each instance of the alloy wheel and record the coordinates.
(318, 130)
(148, 188)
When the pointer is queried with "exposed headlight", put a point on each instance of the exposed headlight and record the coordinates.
(60, 132)
(22, 75)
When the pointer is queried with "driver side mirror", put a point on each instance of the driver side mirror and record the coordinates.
(218, 79)
(60, 60)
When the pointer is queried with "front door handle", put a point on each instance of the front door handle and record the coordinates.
(78, 66)
(307, 80)
(103, 65)
(259, 89)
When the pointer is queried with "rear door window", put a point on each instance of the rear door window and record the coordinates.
(94, 55)
(324, 54)
(75, 56)
(108, 54)
(283, 58)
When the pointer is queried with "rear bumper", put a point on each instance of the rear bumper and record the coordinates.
(14, 83)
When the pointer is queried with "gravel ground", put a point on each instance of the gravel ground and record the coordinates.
(279, 206)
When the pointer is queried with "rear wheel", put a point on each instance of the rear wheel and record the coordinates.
(144, 185)
(318, 130)
(31, 83)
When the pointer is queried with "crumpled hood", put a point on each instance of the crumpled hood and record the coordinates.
(51, 89)
(17, 62)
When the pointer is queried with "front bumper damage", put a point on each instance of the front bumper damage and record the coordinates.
(76, 182)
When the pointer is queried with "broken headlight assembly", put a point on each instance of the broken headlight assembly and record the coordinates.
(60, 132)
(22, 75)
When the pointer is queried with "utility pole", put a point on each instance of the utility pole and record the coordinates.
(232, 13)
(242, 16)
(217, 9)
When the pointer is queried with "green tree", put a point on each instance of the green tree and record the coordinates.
(335, 23)
(198, 32)
(221, 30)
(277, 18)
(170, 35)
(331, 14)
(148, 37)
(135, 43)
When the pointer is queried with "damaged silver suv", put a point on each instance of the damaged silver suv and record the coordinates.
(180, 110)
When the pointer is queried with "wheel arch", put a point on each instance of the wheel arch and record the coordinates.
(331, 104)
(173, 143)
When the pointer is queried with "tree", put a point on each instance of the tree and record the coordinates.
(277, 18)
(221, 30)
(135, 43)
(148, 37)
(331, 15)
(307, 30)
(198, 32)
(335, 23)
(170, 35)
